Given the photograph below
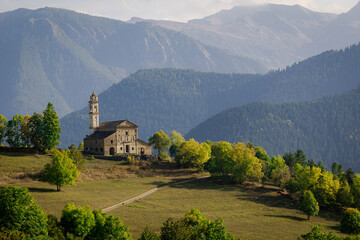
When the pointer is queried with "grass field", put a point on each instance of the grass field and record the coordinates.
(249, 212)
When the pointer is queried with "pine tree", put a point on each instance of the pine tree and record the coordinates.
(51, 127)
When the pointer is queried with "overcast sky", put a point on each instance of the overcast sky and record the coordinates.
(178, 10)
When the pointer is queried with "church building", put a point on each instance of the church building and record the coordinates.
(115, 137)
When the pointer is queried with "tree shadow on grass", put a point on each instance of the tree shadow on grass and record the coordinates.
(32, 189)
(287, 217)
(157, 183)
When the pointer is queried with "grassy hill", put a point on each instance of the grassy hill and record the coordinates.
(171, 99)
(249, 211)
(327, 129)
(60, 56)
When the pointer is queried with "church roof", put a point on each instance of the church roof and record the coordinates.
(100, 135)
(118, 123)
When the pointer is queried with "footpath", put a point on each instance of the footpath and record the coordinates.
(131, 200)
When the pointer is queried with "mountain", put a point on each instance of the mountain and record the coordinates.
(181, 99)
(273, 34)
(60, 56)
(327, 129)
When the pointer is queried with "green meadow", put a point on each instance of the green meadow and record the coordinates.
(249, 211)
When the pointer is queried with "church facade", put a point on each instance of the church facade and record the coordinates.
(112, 138)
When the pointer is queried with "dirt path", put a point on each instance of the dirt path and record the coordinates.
(131, 200)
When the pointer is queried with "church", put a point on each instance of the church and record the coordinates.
(112, 138)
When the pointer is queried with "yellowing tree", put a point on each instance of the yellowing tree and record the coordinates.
(62, 171)
(245, 165)
(193, 154)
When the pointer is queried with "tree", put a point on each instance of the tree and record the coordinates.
(108, 227)
(18, 211)
(300, 157)
(344, 195)
(77, 157)
(25, 132)
(277, 171)
(350, 222)
(3, 123)
(308, 204)
(51, 127)
(355, 191)
(220, 163)
(193, 154)
(13, 133)
(350, 176)
(62, 171)
(176, 140)
(245, 165)
(160, 141)
(36, 129)
(147, 234)
(194, 226)
(77, 220)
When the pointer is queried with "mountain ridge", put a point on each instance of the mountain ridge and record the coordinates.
(59, 55)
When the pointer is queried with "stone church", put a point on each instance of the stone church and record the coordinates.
(115, 137)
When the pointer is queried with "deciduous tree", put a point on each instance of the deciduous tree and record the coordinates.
(13, 132)
(193, 154)
(62, 171)
(77, 220)
(308, 204)
(245, 165)
(19, 212)
(160, 141)
(176, 140)
(3, 123)
(350, 222)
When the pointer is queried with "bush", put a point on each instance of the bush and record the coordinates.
(18, 212)
(350, 223)
(77, 220)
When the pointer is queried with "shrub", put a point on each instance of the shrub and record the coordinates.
(350, 223)
(18, 212)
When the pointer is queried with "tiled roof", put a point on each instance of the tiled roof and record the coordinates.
(100, 135)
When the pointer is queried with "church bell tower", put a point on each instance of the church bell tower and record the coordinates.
(93, 113)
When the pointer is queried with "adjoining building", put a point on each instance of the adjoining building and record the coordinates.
(112, 138)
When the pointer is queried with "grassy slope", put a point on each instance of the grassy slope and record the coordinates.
(249, 212)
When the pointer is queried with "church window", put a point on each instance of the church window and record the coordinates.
(127, 133)
(112, 141)
(120, 148)
(101, 150)
(132, 148)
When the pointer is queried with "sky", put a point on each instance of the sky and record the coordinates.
(176, 10)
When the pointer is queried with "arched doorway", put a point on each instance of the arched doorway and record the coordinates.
(112, 151)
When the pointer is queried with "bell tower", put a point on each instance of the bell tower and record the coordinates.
(93, 113)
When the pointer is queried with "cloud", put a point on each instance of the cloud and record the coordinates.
(166, 9)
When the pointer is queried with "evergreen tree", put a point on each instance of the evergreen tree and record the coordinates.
(51, 127)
